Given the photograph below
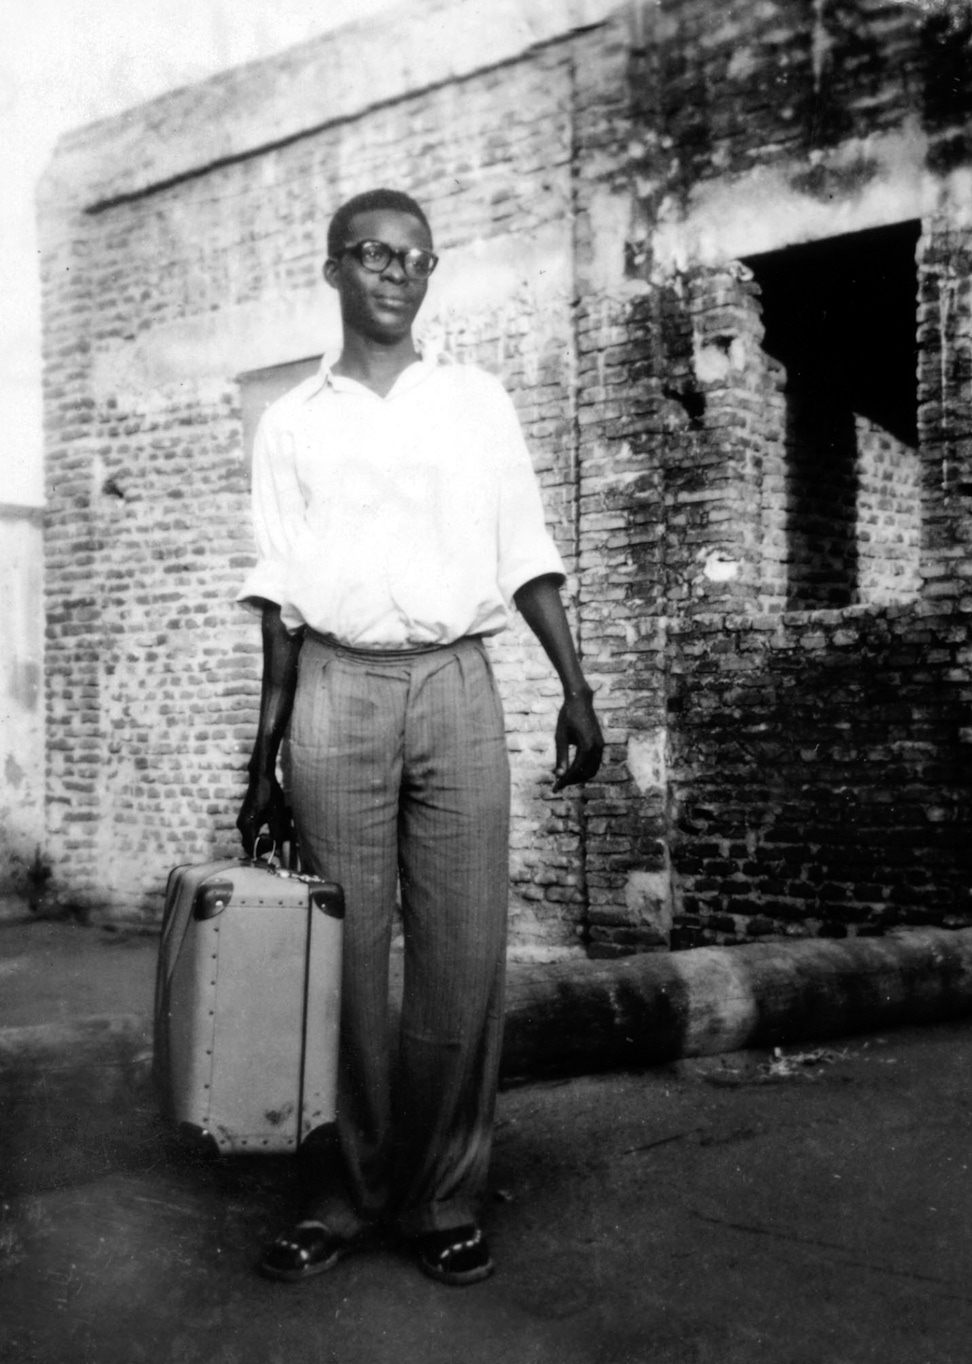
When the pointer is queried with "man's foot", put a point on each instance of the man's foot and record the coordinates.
(458, 1256)
(307, 1250)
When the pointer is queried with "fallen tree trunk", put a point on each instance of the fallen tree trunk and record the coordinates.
(580, 1016)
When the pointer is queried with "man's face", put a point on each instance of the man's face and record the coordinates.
(381, 307)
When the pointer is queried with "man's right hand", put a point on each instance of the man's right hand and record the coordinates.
(263, 806)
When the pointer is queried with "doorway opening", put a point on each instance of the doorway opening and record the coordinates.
(841, 316)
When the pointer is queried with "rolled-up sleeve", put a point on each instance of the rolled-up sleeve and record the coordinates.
(278, 512)
(526, 548)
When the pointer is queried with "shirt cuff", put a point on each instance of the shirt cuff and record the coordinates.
(266, 582)
(520, 571)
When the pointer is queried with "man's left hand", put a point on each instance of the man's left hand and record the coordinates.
(577, 728)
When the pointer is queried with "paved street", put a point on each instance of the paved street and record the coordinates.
(746, 1209)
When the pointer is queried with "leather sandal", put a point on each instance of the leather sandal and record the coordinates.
(458, 1256)
(307, 1250)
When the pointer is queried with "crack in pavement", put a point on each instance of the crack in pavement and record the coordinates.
(830, 1246)
(661, 1141)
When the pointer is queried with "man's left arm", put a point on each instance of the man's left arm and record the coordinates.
(539, 603)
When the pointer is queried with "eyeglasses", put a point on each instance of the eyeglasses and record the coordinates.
(377, 256)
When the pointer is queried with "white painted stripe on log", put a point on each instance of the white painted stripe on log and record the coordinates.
(722, 1009)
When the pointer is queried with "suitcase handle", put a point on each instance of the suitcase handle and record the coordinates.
(288, 868)
(270, 859)
(289, 859)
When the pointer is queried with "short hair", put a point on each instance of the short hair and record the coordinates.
(371, 201)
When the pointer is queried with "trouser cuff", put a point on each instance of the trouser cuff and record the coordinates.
(438, 1217)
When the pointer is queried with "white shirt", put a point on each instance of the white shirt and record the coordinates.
(400, 521)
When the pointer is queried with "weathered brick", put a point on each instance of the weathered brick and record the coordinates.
(791, 652)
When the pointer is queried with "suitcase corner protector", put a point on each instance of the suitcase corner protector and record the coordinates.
(329, 899)
(211, 899)
(198, 1139)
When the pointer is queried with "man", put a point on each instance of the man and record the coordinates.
(397, 519)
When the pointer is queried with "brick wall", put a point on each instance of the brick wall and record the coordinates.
(21, 718)
(768, 577)
(158, 297)
(812, 775)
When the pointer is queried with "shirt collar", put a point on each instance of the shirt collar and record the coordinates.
(429, 358)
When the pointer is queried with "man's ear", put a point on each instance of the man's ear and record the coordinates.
(330, 271)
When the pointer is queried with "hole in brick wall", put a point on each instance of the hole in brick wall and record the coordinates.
(841, 317)
(690, 400)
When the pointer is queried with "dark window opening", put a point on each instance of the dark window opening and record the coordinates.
(261, 387)
(841, 317)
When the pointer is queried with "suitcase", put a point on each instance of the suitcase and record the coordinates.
(247, 1003)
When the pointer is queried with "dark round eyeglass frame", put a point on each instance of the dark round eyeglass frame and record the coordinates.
(416, 262)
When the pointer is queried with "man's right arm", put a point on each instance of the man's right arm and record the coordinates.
(264, 802)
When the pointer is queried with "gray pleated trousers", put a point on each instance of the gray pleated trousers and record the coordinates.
(400, 776)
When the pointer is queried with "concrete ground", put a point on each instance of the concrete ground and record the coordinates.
(813, 1207)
